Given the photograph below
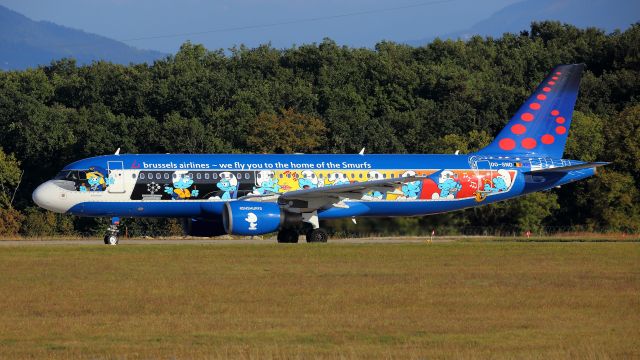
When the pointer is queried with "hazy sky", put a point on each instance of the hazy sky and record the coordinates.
(132, 19)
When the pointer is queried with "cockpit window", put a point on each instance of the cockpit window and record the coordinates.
(84, 180)
(73, 175)
(62, 175)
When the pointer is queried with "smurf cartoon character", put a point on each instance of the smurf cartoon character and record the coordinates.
(252, 219)
(267, 183)
(410, 190)
(228, 184)
(448, 185)
(308, 180)
(97, 181)
(182, 181)
(374, 195)
(338, 178)
(500, 183)
(288, 181)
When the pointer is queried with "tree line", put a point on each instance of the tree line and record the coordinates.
(326, 98)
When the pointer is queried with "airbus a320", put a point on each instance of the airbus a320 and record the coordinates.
(289, 194)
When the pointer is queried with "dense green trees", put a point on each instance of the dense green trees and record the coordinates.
(442, 97)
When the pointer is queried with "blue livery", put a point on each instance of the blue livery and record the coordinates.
(257, 194)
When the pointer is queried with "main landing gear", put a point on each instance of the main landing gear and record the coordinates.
(312, 230)
(111, 237)
(318, 235)
(291, 235)
(288, 236)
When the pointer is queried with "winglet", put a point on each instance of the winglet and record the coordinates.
(117, 152)
(361, 152)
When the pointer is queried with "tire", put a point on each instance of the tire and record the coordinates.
(288, 236)
(293, 237)
(317, 236)
(281, 236)
(111, 240)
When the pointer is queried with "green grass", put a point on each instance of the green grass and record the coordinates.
(469, 300)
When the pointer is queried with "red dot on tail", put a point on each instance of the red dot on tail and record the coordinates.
(518, 129)
(529, 143)
(558, 73)
(561, 130)
(546, 89)
(547, 139)
(555, 112)
(507, 144)
(560, 120)
(534, 106)
(527, 117)
(551, 83)
(541, 97)
(554, 78)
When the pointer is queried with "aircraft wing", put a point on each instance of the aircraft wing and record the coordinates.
(332, 195)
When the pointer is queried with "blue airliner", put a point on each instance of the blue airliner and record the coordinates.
(235, 194)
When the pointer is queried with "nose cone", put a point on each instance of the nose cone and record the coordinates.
(51, 197)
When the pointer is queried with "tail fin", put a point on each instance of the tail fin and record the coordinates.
(541, 125)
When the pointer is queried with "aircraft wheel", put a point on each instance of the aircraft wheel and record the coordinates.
(288, 236)
(317, 236)
(111, 240)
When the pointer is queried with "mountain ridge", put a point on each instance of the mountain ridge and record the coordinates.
(27, 43)
(605, 14)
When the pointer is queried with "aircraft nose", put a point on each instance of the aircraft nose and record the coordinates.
(49, 196)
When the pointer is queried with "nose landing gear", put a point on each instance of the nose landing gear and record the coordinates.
(111, 237)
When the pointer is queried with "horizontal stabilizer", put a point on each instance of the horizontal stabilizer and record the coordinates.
(569, 168)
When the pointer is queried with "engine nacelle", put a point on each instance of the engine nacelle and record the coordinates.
(255, 218)
(203, 227)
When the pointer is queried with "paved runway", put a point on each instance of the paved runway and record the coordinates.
(190, 241)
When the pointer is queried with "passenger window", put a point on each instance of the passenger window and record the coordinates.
(158, 176)
(198, 176)
(175, 176)
(206, 176)
(166, 176)
(360, 176)
(141, 176)
(239, 175)
(133, 175)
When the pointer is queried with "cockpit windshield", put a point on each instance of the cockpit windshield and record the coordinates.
(85, 180)
(72, 175)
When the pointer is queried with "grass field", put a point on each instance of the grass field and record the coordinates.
(461, 300)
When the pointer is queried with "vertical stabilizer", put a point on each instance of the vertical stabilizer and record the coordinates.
(541, 125)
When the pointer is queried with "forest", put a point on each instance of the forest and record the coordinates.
(326, 98)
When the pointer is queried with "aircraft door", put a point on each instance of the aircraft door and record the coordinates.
(116, 172)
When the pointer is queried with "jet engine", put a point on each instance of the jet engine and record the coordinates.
(256, 218)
